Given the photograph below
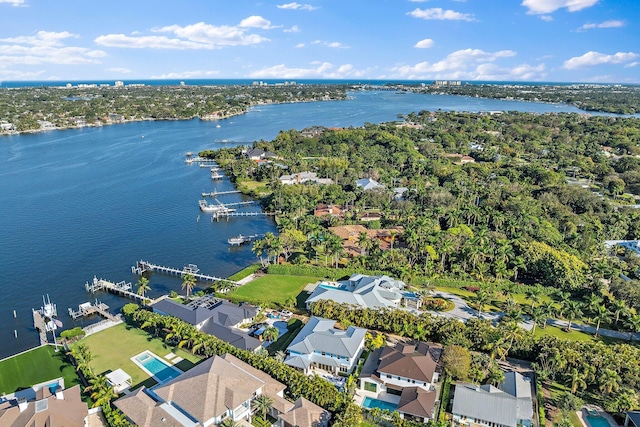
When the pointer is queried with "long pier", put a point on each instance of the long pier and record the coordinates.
(87, 309)
(234, 214)
(121, 288)
(219, 193)
(144, 266)
(38, 323)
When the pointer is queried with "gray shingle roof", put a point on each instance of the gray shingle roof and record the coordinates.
(319, 334)
(236, 338)
(417, 362)
(364, 291)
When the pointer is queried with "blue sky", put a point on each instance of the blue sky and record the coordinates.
(504, 40)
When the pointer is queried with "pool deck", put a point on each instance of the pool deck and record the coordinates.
(582, 414)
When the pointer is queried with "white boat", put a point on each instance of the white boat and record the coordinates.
(219, 208)
(216, 175)
(218, 126)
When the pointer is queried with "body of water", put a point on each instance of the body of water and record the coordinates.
(92, 201)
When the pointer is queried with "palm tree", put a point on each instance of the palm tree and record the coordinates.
(188, 283)
(573, 311)
(537, 316)
(481, 299)
(280, 356)
(601, 314)
(101, 392)
(533, 295)
(228, 422)
(262, 404)
(577, 380)
(609, 381)
(143, 286)
(633, 324)
(619, 308)
(271, 333)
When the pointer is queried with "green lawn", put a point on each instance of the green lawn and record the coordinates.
(114, 347)
(36, 366)
(559, 333)
(272, 289)
(248, 271)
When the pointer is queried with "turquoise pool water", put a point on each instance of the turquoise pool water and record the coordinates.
(375, 403)
(597, 421)
(155, 366)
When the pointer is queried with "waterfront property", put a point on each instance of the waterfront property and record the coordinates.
(221, 387)
(113, 348)
(45, 404)
(303, 178)
(508, 405)
(402, 376)
(216, 317)
(321, 346)
(368, 292)
(350, 235)
(33, 367)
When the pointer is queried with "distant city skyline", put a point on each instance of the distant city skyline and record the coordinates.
(509, 40)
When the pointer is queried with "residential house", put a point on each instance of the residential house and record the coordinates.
(330, 210)
(404, 375)
(221, 387)
(460, 159)
(508, 405)
(377, 292)
(398, 193)
(368, 184)
(303, 178)
(216, 317)
(46, 404)
(632, 419)
(350, 234)
(320, 345)
(257, 154)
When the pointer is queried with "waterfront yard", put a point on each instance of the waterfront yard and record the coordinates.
(114, 347)
(274, 290)
(36, 366)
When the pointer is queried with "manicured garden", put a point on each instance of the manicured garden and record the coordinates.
(272, 290)
(114, 347)
(36, 366)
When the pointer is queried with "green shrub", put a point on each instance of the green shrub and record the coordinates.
(71, 334)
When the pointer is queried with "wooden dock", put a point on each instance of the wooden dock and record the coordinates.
(87, 309)
(144, 266)
(234, 214)
(219, 193)
(38, 323)
(121, 288)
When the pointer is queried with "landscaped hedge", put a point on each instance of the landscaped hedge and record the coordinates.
(326, 272)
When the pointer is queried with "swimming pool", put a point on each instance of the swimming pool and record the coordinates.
(157, 368)
(597, 421)
(369, 403)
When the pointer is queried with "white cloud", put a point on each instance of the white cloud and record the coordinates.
(591, 59)
(469, 64)
(256, 21)
(324, 70)
(537, 7)
(14, 2)
(294, 29)
(438, 13)
(187, 75)
(195, 36)
(424, 44)
(299, 45)
(119, 70)
(605, 24)
(8, 74)
(546, 18)
(335, 45)
(296, 6)
(46, 47)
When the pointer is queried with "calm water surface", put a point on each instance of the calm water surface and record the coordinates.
(92, 201)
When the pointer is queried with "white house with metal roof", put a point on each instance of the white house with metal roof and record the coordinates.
(508, 405)
(368, 184)
(364, 291)
(320, 345)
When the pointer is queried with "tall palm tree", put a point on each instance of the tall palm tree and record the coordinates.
(538, 316)
(577, 380)
(633, 324)
(480, 300)
(619, 308)
(609, 381)
(573, 311)
(143, 287)
(601, 314)
(188, 283)
(533, 295)
(101, 392)
(271, 333)
(263, 404)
